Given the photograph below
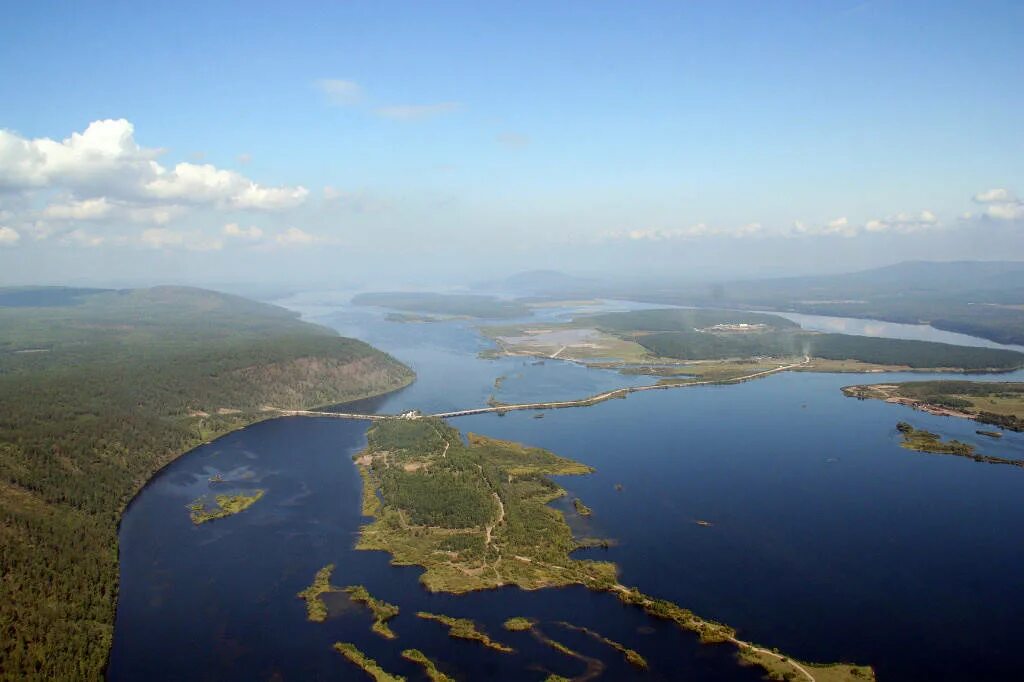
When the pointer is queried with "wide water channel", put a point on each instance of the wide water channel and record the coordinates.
(828, 540)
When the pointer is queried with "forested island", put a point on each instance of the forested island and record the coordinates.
(98, 390)
(475, 515)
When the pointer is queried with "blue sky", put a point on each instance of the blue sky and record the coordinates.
(773, 135)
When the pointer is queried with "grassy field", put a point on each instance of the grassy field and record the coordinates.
(98, 390)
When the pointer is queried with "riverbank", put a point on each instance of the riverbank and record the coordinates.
(132, 380)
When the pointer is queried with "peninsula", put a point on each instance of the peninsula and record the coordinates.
(475, 515)
(1000, 403)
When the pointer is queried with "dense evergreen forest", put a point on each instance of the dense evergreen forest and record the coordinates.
(683, 319)
(693, 334)
(983, 299)
(879, 351)
(98, 390)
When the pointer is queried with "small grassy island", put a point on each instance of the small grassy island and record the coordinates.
(1000, 403)
(519, 624)
(581, 509)
(429, 667)
(464, 628)
(381, 610)
(926, 441)
(226, 505)
(370, 666)
(475, 515)
(316, 610)
(631, 656)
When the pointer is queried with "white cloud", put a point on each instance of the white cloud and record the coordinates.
(251, 233)
(192, 183)
(904, 222)
(293, 236)
(87, 209)
(1006, 211)
(331, 194)
(339, 91)
(1001, 204)
(102, 209)
(8, 236)
(995, 196)
(692, 232)
(160, 237)
(80, 237)
(837, 227)
(416, 112)
(105, 161)
(269, 198)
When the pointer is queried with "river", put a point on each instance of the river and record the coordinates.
(828, 540)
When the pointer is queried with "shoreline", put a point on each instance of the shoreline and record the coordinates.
(260, 417)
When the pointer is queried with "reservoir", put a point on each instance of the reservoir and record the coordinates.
(827, 539)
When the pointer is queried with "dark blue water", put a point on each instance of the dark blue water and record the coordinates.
(828, 541)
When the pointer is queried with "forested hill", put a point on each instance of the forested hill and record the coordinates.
(983, 299)
(98, 390)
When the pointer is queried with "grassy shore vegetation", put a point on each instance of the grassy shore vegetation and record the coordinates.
(226, 505)
(369, 666)
(464, 628)
(429, 667)
(475, 516)
(519, 624)
(631, 656)
(581, 509)
(780, 667)
(381, 610)
(1000, 403)
(926, 441)
(316, 610)
(460, 305)
(98, 390)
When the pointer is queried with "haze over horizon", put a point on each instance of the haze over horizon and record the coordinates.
(380, 142)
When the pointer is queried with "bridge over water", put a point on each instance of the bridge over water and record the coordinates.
(551, 405)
